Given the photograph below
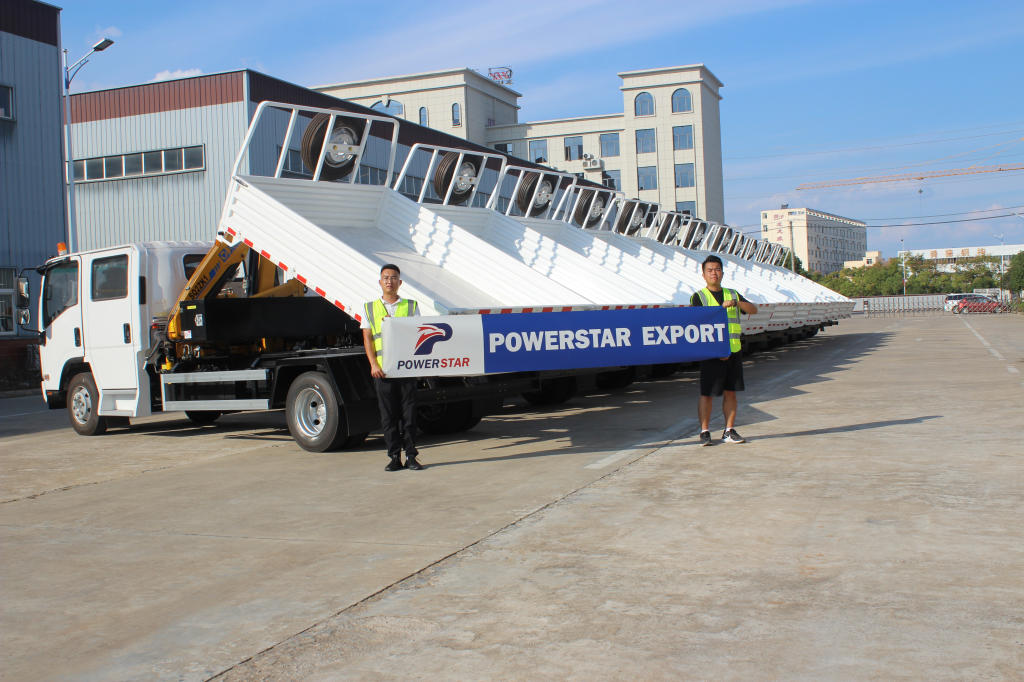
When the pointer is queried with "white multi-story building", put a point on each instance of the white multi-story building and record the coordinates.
(822, 241)
(948, 259)
(665, 146)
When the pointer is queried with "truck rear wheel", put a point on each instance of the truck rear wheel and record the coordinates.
(447, 417)
(313, 413)
(552, 391)
(202, 417)
(83, 406)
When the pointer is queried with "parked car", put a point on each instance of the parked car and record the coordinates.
(976, 303)
(953, 299)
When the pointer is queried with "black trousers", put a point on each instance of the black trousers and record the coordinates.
(397, 401)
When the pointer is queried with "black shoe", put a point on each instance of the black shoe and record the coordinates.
(411, 463)
(394, 465)
(705, 439)
(730, 436)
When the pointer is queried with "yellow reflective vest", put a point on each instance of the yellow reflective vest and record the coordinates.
(732, 313)
(375, 314)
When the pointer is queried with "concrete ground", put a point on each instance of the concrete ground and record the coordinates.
(869, 529)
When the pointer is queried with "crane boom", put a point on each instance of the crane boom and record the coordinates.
(904, 177)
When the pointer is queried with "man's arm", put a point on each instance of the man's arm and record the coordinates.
(371, 354)
(748, 307)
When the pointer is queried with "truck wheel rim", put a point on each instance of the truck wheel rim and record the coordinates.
(310, 413)
(544, 194)
(464, 178)
(343, 136)
(597, 208)
(81, 405)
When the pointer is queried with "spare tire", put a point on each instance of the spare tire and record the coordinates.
(544, 195)
(629, 220)
(467, 171)
(337, 164)
(587, 215)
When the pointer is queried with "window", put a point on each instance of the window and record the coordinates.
(389, 106)
(423, 117)
(538, 151)
(682, 137)
(643, 105)
(109, 278)
(687, 207)
(191, 262)
(60, 290)
(7, 102)
(681, 101)
(172, 159)
(176, 160)
(505, 147)
(6, 300)
(645, 142)
(612, 179)
(609, 144)
(647, 177)
(293, 165)
(574, 148)
(456, 115)
(113, 167)
(684, 175)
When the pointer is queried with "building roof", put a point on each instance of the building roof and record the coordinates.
(425, 74)
(670, 69)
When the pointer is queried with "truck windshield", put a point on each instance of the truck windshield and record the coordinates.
(60, 290)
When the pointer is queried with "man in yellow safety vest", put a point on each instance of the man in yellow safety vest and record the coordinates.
(721, 376)
(395, 397)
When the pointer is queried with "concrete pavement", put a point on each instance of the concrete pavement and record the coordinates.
(869, 529)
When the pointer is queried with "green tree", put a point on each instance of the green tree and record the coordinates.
(1014, 277)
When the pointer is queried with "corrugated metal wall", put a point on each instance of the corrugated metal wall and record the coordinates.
(31, 173)
(175, 206)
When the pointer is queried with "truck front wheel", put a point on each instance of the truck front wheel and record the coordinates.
(83, 406)
(314, 416)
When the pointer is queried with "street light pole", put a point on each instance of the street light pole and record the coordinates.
(69, 169)
(904, 253)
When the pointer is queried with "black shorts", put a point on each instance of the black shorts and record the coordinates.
(721, 375)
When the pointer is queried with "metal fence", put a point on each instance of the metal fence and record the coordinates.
(917, 304)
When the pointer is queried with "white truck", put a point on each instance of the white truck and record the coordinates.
(267, 316)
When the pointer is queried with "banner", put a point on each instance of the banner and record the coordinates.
(461, 345)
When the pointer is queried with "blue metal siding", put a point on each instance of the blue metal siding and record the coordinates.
(175, 206)
(31, 172)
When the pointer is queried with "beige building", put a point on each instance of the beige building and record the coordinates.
(665, 146)
(870, 258)
(822, 241)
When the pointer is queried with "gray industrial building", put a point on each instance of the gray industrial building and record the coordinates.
(32, 208)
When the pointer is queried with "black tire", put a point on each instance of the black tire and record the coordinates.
(615, 379)
(83, 405)
(441, 418)
(584, 216)
(354, 441)
(444, 173)
(552, 391)
(664, 370)
(346, 130)
(202, 417)
(313, 413)
(544, 196)
(624, 223)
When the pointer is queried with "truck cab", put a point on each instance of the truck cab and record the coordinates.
(97, 311)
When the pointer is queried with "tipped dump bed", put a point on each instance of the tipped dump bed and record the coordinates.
(334, 238)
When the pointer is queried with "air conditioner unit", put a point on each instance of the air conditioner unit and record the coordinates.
(587, 157)
(591, 164)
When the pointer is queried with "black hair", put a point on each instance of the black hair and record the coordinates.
(390, 266)
(710, 259)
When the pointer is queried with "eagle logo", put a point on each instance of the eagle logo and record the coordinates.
(431, 334)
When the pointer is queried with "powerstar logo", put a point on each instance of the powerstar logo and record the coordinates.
(430, 335)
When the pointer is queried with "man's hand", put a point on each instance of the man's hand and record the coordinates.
(376, 372)
(729, 304)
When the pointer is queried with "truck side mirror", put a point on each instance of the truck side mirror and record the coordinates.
(23, 301)
(24, 293)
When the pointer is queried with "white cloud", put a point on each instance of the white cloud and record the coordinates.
(167, 74)
(99, 33)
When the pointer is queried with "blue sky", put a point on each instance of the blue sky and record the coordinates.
(814, 91)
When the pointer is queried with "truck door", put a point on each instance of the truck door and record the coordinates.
(113, 338)
(60, 315)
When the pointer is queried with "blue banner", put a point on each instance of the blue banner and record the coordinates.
(518, 342)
